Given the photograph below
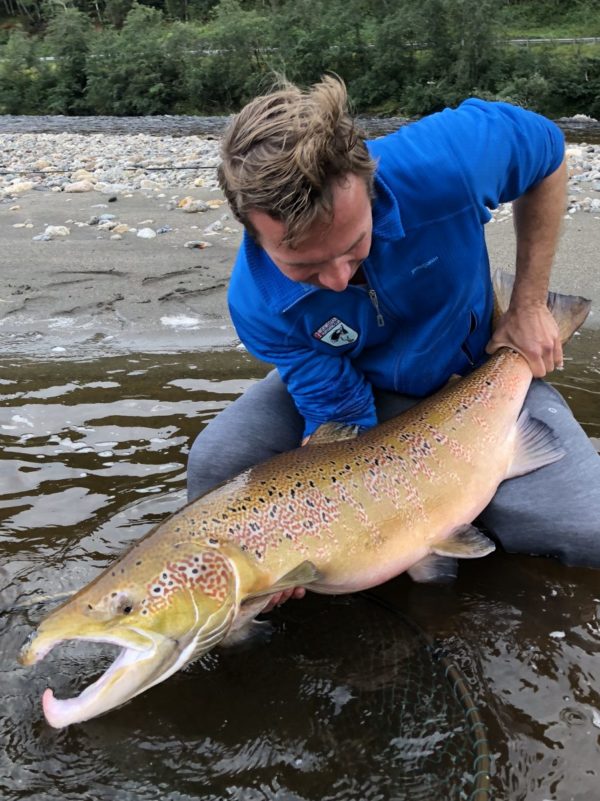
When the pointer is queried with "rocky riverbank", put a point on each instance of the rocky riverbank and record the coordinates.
(125, 242)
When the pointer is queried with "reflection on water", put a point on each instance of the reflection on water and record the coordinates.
(93, 453)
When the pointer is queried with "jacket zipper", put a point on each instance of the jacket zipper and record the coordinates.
(375, 301)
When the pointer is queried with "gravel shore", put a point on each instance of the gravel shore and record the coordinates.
(121, 243)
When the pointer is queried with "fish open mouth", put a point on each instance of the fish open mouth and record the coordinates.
(63, 712)
(134, 670)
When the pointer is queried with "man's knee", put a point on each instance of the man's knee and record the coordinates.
(554, 510)
(259, 424)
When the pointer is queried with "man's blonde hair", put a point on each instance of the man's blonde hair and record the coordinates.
(284, 151)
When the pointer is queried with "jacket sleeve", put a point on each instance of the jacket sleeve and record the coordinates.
(503, 150)
(324, 388)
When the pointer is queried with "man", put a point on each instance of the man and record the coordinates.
(363, 277)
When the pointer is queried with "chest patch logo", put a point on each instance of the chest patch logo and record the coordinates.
(336, 333)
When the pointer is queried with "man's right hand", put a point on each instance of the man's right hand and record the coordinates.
(281, 597)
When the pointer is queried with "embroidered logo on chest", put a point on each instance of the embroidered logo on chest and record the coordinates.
(336, 333)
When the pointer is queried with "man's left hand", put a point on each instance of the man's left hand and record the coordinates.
(532, 331)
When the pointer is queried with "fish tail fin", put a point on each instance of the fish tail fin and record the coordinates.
(569, 311)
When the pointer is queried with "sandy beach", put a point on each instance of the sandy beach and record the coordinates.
(86, 290)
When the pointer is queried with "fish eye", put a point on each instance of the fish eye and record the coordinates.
(124, 605)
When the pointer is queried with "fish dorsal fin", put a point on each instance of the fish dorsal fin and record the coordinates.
(433, 569)
(300, 576)
(332, 432)
(465, 542)
(536, 445)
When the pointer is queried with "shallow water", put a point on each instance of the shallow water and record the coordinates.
(576, 129)
(341, 701)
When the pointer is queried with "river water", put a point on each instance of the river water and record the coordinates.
(340, 701)
(576, 129)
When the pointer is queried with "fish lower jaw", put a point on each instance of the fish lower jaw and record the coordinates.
(97, 697)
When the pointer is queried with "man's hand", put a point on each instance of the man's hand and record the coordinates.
(528, 326)
(282, 597)
(532, 331)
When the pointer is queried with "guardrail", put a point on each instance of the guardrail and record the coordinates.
(558, 41)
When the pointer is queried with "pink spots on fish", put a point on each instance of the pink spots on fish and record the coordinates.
(301, 513)
(419, 452)
(208, 571)
(388, 479)
(312, 513)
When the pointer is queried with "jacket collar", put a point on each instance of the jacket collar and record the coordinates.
(280, 292)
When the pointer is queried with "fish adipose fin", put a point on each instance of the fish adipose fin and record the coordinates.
(333, 432)
(536, 446)
(300, 576)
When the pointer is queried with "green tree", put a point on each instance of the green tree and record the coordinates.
(139, 69)
(231, 59)
(67, 39)
(22, 75)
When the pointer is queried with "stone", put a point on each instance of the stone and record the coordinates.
(146, 233)
(198, 243)
(53, 231)
(19, 187)
(82, 175)
(79, 186)
(191, 206)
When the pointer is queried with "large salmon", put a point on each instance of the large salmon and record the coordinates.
(345, 513)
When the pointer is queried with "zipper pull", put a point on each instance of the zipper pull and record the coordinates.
(375, 301)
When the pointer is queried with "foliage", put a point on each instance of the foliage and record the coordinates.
(139, 69)
(67, 37)
(210, 56)
(21, 73)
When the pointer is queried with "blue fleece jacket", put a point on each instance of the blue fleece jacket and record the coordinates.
(426, 311)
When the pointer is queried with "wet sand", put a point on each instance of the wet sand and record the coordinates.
(86, 293)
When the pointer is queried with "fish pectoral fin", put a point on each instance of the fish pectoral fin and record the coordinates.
(434, 569)
(333, 432)
(252, 633)
(465, 542)
(536, 445)
(300, 576)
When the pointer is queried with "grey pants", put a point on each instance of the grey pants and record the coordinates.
(553, 511)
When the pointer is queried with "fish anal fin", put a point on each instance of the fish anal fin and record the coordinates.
(465, 542)
(433, 569)
(536, 446)
(302, 575)
(333, 432)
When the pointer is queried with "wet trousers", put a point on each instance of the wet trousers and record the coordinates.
(552, 511)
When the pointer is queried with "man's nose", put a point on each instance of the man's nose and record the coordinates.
(336, 275)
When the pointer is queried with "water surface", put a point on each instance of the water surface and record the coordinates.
(340, 701)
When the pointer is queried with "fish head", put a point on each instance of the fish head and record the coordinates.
(162, 613)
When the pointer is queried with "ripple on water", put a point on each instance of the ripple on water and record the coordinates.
(94, 455)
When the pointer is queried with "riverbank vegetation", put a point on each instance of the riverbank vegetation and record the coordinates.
(405, 57)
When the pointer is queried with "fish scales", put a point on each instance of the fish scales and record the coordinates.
(338, 515)
(359, 492)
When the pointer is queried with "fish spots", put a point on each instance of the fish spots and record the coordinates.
(208, 572)
(297, 513)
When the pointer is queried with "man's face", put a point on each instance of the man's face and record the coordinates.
(331, 253)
